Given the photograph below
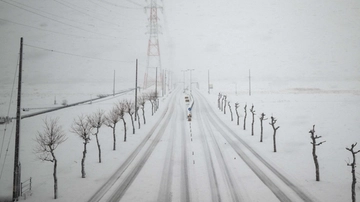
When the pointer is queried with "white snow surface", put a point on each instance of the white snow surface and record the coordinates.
(303, 56)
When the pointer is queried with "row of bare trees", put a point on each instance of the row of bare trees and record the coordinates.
(86, 126)
(223, 103)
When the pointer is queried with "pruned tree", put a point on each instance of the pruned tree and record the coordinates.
(47, 142)
(130, 109)
(314, 145)
(96, 120)
(353, 166)
(224, 98)
(83, 129)
(152, 97)
(111, 119)
(231, 113)
(138, 116)
(253, 119)
(262, 118)
(155, 100)
(122, 107)
(142, 101)
(272, 123)
(237, 113)
(219, 100)
(244, 127)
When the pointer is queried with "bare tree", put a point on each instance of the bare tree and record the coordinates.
(222, 102)
(219, 98)
(253, 119)
(262, 118)
(48, 140)
(83, 129)
(272, 123)
(314, 145)
(130, 109)
(111, 119)
(138, 116)
(244, 127)
(353, 166)
(154, 100)
(122, 107)
(96, 120)
(237, 113)
(225, 97)
(231, 113)
(142, 101)
(152, 97)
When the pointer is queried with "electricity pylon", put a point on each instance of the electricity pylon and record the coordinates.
(153, 52)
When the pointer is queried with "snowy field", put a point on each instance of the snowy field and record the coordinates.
(304, 62)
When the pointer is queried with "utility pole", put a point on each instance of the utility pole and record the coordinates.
(17, 171)
(184, 78)
(136, 81)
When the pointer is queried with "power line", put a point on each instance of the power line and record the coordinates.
(76, 55)
(8, 112)
(7, 150)
(55, 20)
(45, 30)
(72, 6)
(112, 4)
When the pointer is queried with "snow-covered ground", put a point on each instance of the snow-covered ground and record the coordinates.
(303, 58)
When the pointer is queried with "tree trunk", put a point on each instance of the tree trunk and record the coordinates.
(231, 114)
(124, 130)
(316, 163)
(274, 140)
(261, 130)
(54, 175)
(252, 124)
(353, 191)
(132, 122)
(114, 137)
(98, 145)
(221, 107)
(83, 174)
(238, 117)
(152, 108)
(143, 113)
(138, 118)
(245, 118)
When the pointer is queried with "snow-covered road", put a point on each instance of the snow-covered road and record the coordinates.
(198, 160)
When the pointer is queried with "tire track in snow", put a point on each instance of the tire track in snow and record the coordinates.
(166, 179)
(214, 185)
(185, 185)
(118, 173)
(223, 165)
(126, 183)
(263, 177)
